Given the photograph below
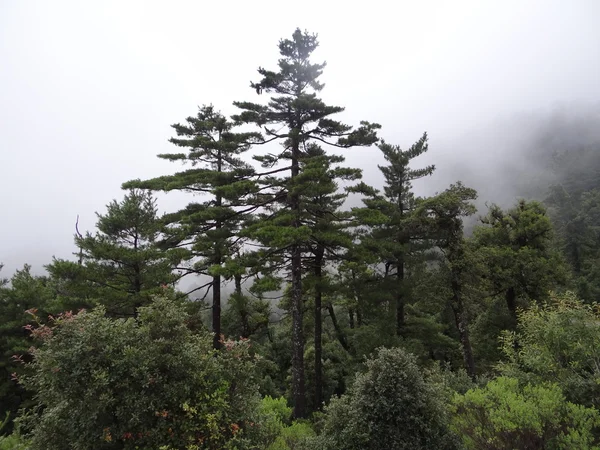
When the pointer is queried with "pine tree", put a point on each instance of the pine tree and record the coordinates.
(518, 248)
(330, 236)
(295, 116)
(443, 216)
(207, 231)
(121, 265)
(394, 236)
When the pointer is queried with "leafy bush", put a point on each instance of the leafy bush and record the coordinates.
(277, 430)
(557, 342)
(504, 415)
(390, 406)
(13, 442)
(149, 383)
(293, 437)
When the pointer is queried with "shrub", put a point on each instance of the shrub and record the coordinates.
(557, 342)
(505, 415)
(389, 406)
(149, 383)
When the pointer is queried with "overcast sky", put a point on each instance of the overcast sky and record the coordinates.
(88, 89)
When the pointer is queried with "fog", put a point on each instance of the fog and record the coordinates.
(88, 91)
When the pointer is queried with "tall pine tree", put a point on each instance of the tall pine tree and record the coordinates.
(295, 116)
(394, 236)
(207, 231)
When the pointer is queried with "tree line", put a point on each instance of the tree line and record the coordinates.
(447, 319)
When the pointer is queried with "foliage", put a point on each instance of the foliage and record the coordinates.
(394, 235)
(443, 216)
(13, 441)
(278, 431)
(517, 247)
(23, 294)
(396, 281)
(301, 122)
(559, 342)
(206, 234)
(389, 406)
(125, 383)
(120, 266)
(505, 414)
(294, 437)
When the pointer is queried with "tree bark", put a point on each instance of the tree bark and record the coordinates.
(511, 302)
(298, 382)
(243, 310)
(400, 298)
(338, 331)
(463, 328)
(216, 285)
(318, 272)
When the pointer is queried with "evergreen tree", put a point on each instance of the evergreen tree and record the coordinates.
(121, 266)
(295, 116)
(517, 246)
(207, 232)
(443, 215)
(394, 235)
(329, 236)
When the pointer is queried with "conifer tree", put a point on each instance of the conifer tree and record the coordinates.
(443, 216)
(330, 236)
(394, 236)
(518, 248)
(121, 265)
(206, 232)
(295, 116)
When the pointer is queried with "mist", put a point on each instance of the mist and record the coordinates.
(88, 91)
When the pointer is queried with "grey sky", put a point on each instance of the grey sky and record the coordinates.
(88, 89)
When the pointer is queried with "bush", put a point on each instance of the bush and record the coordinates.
(504, 415)
(390, 406)
(149, 383)
(293, 437)
(277, 430)
(13, 442)
(557, 342)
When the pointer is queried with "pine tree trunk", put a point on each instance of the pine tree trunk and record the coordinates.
(298, 382)
(243, 310)
(216, 287)
(351, 318)
(318, 330)
(216, 312)
(463, 328)
(511, 302)
(336, 326)
(400, 298)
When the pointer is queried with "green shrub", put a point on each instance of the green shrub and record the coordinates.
(391, 407)
(103, 383)
(505, 415)
(13, 442)
(557, 342)
(293, 437)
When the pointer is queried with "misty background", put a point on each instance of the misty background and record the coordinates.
(88, 91)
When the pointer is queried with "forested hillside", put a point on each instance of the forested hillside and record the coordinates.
(390, 324)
